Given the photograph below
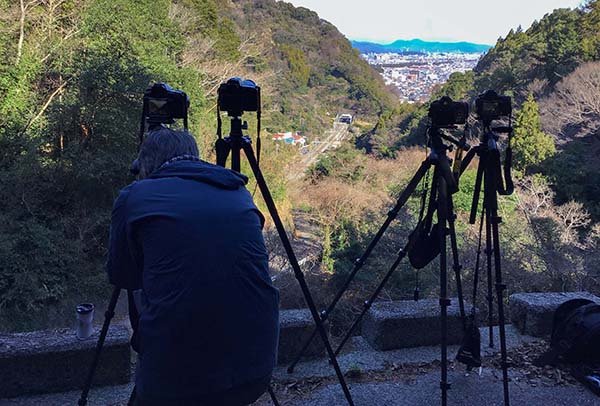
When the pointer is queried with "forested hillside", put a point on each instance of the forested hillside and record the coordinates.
(72, 74)
(551, 225)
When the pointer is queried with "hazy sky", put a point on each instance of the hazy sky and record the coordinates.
(480, 21)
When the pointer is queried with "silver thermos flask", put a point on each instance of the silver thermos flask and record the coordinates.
(85, 318)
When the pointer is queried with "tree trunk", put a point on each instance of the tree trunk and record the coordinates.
(21, 32)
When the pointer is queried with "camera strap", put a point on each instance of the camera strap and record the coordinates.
(143, 123)
(219, 121)
(459, 154)
(221, 146)
(510, 187)
(477, 262)
(258, 141)
(423, 201)
(502, 173)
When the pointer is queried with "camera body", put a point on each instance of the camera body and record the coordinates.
(238, 95)
(445, 112)
(163, 104)
(492, 106)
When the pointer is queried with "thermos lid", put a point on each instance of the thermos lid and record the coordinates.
(85, 308)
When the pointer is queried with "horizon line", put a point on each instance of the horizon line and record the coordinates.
(387, 42)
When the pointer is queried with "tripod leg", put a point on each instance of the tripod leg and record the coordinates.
(444, 301)
(392, 214)
(110, 312)
(272, 395)
(488, 254)
(494, 220)
(500, 287)
(262, 184)
(132, 397)
(456, 266)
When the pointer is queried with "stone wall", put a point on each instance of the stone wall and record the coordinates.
(56, 361)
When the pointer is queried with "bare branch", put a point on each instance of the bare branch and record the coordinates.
(55, 93)
(24, 8)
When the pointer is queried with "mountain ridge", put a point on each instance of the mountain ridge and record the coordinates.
(419, 45)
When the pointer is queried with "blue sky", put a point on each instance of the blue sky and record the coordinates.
(480, 21)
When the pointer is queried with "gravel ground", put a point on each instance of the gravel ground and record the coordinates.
(397, 388)
(402, 377)
(466, 390)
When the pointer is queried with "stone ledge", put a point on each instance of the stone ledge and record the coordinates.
(296, 326)
(406, 323)
(532, 313)
(56, 361)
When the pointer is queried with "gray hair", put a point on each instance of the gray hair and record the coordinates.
(163, 144)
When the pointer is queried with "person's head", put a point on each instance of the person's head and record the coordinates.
(161, 145)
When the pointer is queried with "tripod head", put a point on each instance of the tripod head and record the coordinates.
(437, 136)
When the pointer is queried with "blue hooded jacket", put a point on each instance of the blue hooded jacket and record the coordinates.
(191, 238)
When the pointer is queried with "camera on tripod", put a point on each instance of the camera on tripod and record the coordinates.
(163, 104)
(445, 112)
(238, 95)
(492, 106)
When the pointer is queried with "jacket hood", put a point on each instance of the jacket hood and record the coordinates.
(204, 172)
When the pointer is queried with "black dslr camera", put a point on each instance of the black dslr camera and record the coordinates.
(238, 95)
(492, 106)
(446, 113)
(163, 104)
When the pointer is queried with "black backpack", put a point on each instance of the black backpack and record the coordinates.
(575, 333)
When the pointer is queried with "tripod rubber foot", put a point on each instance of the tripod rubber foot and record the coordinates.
(445, 385)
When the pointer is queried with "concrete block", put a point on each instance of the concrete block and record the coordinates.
(406, 323)
(532, 313)
(296, 326)
(56, 361)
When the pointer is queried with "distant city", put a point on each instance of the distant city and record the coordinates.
(414, 74)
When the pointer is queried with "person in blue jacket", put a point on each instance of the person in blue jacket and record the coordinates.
(188, 235)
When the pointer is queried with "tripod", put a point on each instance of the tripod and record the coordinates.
(232, 145)
(437, 158)
(443, 185)
(489, 173)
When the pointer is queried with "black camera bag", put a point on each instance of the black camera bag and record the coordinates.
(425, 245)
(575, 333)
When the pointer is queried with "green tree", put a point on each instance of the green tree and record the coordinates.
(459, 86)
(299, 68)
(590, 28)
(564, 44)
(531, 145)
